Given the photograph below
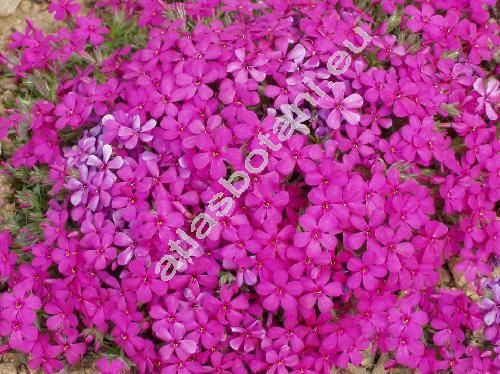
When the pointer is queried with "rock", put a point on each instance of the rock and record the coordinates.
(8, 7)
(8, 369)
(8, 357)
(399, 370)
(86, 366)
(445, 278)
(368, 358)
(380, 366)
(26, 7)
(356, 370)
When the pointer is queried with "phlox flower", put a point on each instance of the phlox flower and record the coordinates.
(489, 97)
(341, 107)
(110, 367)
(131, 135)
(278, 291)
(63, 8)
(91, 29)
(215, 150)
(247, 65)
(267, 203)
(318, 234)
(176, 342)
(130, 124)
(69, 111)
(319, 291)
(394, 246)
(423, 19)
(8, 259)
(365, 271)
(281, 359)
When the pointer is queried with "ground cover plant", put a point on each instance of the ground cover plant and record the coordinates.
(128, 118)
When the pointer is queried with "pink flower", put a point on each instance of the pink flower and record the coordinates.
(215, 150)
(424, 19)
(131, 135)
(7, 258)
(319, 234)
(365, 271)
(341, 107)
(90, 28)
(281, 359)
(394, 246)
(320, 290)
(447, 330)
(279, 292)
(69, 111)
(177, 342)
(195, 80)
(115, 366)
(245, 65)
(267, 203)
(489, 97)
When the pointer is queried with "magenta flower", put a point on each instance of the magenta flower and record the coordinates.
(408, 350)
(294, 154)
(406, 320)
(69, 111)
(129, 118)
(144, 281)
(73, 351)
(447, 330)
(126, 335)
(393, 248)
(267, 203)
(214, 151)
(44, 355)
(195, 80)
(424, 19)
(131, 135)
(90, 28)
(248, 335)
(375, 80)
(19, 305)
(18, 315)
(101, 251)
(489, 97)
(247, 65)
(163, 222)
(165, 98)
(65, 255)
(7, 258)
(63, 8)
(319, 234)
(365, 271)
(341, 107)
(114, 366)
(281, 359)
(287, 335)
(229, 307)
(353, 351)
(176, 342)
(279, 292)
(320, 290)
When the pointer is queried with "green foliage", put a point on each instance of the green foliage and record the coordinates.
(30, 202)
(123, 31)
(31, 187)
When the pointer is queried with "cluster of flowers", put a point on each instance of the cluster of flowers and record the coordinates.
(334, 252)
